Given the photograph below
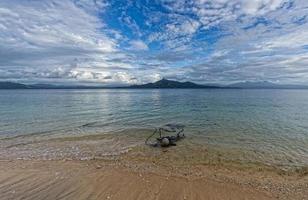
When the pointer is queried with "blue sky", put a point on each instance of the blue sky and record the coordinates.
(115, 42)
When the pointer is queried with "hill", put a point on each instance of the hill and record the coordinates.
(164, 83)
(11, 85)
(161, 84)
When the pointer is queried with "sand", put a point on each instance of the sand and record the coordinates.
(118, 179)
(30, 170)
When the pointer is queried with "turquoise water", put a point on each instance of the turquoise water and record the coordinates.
(272, 124)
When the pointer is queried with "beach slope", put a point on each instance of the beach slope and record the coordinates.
(98, 180)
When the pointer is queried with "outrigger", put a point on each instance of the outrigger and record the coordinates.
(169, 140)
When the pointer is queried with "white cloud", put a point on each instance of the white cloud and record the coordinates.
(51, 24)
(255, 7)
(199, 40)
(213, 12)
(186, 28)
(295, 39)
(138, 45)
(55, 39)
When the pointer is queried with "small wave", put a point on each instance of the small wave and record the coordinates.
(95, 124)
(90, 124)
(41, 133)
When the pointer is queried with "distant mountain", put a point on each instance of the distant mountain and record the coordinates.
(164, 83)
(42, 86)
(10, 85)
(161, 84)
(264, 85)
(252, 85)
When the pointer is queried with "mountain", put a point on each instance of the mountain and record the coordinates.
(42, 86)
(161, 84)
(264, 85)
(164, 83)
(10, 85)
(253, 85)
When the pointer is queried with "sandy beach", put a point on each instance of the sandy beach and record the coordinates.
(120, 178)
(185, 171)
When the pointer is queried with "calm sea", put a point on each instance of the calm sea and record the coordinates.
(269, 126)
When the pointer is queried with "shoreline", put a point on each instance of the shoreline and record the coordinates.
(130, 145)
(115, 178)
(77, 168)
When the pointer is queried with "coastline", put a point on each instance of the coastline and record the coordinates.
(123, 177)
(76, 168)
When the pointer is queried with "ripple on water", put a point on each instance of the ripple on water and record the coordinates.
(245, 126)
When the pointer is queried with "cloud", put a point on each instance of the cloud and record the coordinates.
(127, 42)
(54, 39)
(138, 45)
(186, 28)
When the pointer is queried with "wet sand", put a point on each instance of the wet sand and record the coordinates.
(123, 179)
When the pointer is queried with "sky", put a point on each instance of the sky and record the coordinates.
(120, 42)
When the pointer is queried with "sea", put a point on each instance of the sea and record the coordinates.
(267, 126)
